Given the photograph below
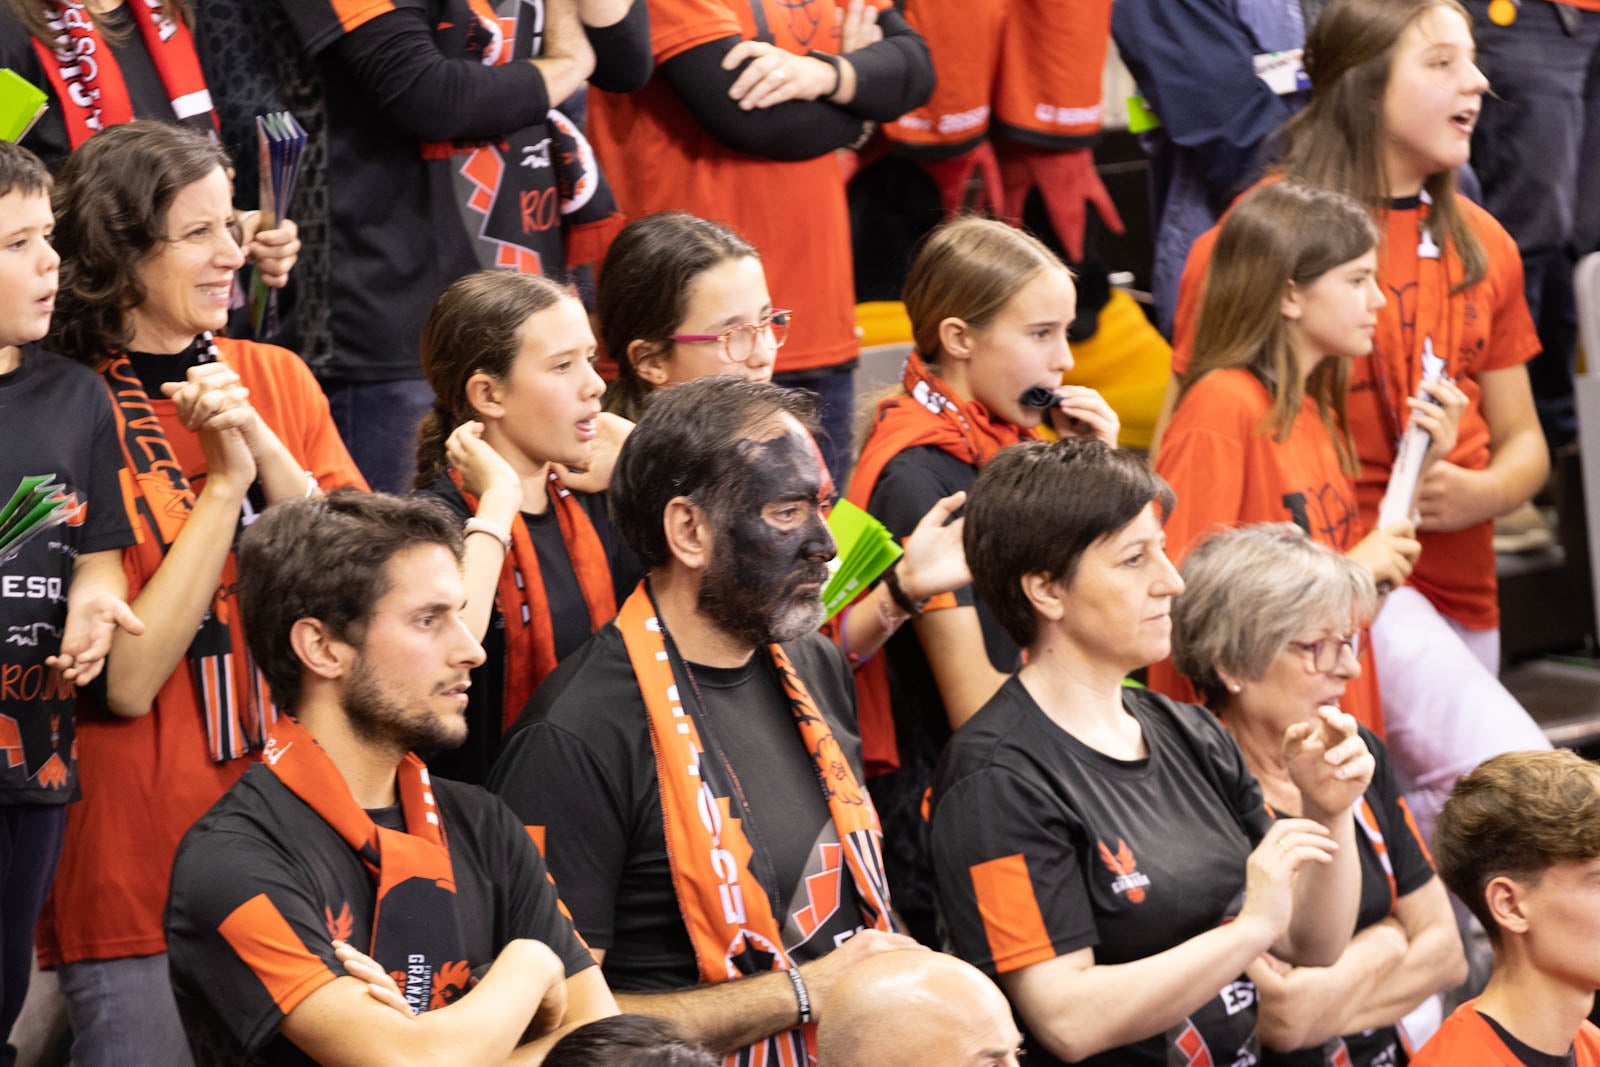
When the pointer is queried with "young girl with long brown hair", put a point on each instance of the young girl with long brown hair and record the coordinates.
(1395, 93)
(1261, 432)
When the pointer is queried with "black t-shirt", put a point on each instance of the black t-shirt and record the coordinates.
(1382, 814)
(48, 138)
(580, 764)
(1044, 846)
(261, 857)
(910, 484)
(55, 420)
(400, 227)
(568, 611)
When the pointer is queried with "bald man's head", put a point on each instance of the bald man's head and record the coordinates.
(917, 1009)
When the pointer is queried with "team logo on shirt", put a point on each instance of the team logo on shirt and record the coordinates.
(339, 926)
(1129, 882)
(450, 983)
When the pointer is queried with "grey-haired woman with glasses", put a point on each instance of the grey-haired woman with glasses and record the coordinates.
(1268, 630)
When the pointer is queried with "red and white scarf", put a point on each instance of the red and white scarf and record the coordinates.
(88, 81)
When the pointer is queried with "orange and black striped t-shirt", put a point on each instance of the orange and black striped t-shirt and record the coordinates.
(262, 886)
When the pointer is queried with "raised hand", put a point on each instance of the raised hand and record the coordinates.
(1269, 874)
(934, 561)
(1083, 412)
(1328, 761)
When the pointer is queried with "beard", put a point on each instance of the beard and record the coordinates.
(759, 604)
(379, 719)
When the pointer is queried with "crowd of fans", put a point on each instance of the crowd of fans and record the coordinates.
(406, 691)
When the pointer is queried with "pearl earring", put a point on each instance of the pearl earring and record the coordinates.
(1234, 688)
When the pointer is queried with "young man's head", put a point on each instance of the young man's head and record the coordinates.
(28, 263)
(722, 478)
(1519, 842)
(357, 597)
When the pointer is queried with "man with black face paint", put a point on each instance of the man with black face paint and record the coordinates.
(693, 772)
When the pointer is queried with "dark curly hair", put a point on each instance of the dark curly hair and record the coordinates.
(111, 202)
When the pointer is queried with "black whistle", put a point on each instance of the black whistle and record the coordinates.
(1037, 396)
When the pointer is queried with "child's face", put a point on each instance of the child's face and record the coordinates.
(28, 267)
(1431, 104)
(1563, 913)
(1025, 345)
(1337, 313)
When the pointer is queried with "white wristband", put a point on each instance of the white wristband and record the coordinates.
(479, 526)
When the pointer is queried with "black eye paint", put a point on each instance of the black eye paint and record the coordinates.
(753, 587)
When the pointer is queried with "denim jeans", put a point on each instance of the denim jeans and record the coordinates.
(30, 847)
(123, 1012)
(378, 422)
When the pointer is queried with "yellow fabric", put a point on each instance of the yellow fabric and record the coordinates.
(883, 322)
(1128, 362)
(1127, 359)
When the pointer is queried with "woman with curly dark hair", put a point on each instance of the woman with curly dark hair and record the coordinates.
(212, 431)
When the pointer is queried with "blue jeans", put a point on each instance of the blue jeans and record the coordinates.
(123, 1011)
(1545, 72)
(378, 421)
(836, 401)
(30, 847)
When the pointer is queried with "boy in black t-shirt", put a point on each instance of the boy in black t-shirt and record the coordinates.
(338, 903)
(62, 590)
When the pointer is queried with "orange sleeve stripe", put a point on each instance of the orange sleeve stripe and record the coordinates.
(1010, 912)
(1422, 843)
(266, 942)
(537, 833)
(355, 13)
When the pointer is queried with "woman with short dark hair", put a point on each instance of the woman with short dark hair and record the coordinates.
(212, 430)
(1091, 840)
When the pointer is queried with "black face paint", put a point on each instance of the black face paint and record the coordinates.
(771, 540)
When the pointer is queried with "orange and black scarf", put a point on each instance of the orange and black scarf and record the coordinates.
(88, 82)
(728, 914)
(415, 934)
(523, 603)
(232, 697)
(928, 413)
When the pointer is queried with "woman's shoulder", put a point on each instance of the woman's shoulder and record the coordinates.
(261, 357)
(1230, 385)
(1221, 401)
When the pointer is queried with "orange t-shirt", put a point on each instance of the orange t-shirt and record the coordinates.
(1228, 470)
(964, 43)
(1487, 327)
(1048, 86)
(658, 157)
(1467, 1040)
(146, 780)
